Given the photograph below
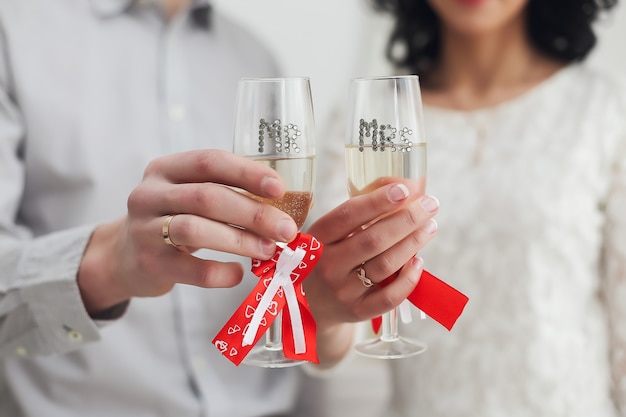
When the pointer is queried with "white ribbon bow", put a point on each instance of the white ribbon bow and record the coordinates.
(287, 262)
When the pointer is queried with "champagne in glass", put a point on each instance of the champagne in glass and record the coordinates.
(385, 138)
(274, 125)
(298, 176)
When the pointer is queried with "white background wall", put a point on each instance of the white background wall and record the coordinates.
(334, 40)
(321, 39)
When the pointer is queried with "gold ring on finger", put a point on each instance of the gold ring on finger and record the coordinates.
(166, 231)
(364, 280)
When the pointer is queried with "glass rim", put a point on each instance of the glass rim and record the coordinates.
(274, 79)
(388, 77)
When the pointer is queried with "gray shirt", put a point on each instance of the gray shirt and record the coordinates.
(90, 92)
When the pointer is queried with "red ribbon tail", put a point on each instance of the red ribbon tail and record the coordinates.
(229, 340)
(438, 300)
(377, 322)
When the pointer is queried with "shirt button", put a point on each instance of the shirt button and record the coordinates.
(75, 336)
(21, 351)
(177, 113)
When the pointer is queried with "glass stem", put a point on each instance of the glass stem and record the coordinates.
(390, 326)
(273, 335)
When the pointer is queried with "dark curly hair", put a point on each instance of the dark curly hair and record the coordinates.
(561, 29)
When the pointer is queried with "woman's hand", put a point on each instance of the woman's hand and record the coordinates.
(130, 258)
(399, 224)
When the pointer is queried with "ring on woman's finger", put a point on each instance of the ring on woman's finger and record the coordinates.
(364, 280)
(166, 232)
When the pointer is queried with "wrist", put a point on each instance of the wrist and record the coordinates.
(95, 279)
(334, 343)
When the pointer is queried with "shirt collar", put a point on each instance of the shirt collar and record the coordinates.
(201, 13)
(200, 9)
(110, 8)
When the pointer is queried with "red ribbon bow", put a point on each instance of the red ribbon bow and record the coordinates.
(279, 286)
(434, 297)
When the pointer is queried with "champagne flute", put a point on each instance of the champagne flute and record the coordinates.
(385, 138)
(274, 125)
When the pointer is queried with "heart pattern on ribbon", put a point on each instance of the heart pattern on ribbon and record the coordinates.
(279, 286)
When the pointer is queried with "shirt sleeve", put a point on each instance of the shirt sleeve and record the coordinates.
(41, 311)
(615, 265)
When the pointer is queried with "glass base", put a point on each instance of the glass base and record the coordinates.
(394, 349)
(269, 358)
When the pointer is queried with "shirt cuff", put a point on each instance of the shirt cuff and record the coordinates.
(110, 315)
(47, 278)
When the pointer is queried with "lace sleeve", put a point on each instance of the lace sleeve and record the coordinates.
(615, 269)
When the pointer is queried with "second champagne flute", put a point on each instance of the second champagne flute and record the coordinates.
(274, 125)
(385, 138)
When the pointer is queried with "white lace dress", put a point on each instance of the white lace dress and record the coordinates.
(532, 227)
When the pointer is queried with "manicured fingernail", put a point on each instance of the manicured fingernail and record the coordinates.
(429, 204)
(271, 186)
(268, 247)
(286, 230)
(431, 226)
(417, 262)
(397, 193)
